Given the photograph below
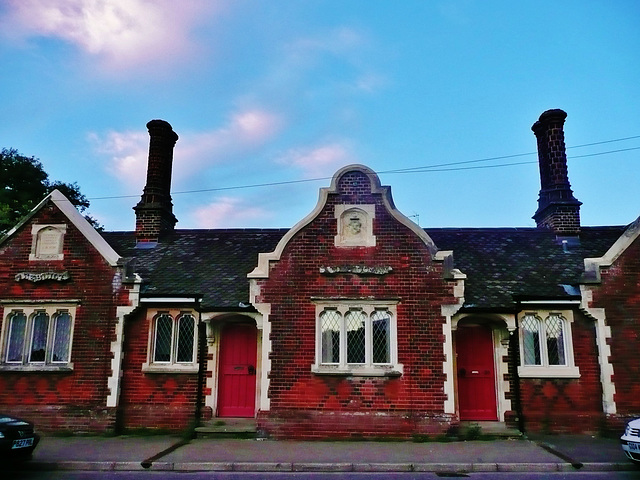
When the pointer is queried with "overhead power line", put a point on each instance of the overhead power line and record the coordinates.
(442, 167)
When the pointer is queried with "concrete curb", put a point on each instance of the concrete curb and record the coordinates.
(327, 467)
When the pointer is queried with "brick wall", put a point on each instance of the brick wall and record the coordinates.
(66, 400)
(308, 405)
(619, 295)
(163, 401)
(568, 405)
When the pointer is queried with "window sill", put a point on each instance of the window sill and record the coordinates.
(548, 372)
(65, 367)
(169, 368)
(370, 371)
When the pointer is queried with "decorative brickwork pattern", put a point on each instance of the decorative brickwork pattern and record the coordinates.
(154, 212)
(558, 209)
(308, 405)
(619, 295)
(164, 401)
(73, 400)
(567, 405)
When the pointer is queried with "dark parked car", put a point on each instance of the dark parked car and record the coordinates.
(17, 438)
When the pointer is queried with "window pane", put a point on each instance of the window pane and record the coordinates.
(355, 326)
(380, 336)
(186, 329)
(531, 340)
(61, 337)
(554, 325)
(164, 332)
(330, 326)
(39, 337)
(15, 344)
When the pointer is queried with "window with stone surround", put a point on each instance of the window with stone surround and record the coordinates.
(356, 339)
(172, 345)
(546, 349)
(37, 337)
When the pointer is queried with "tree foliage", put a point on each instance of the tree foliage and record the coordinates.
(24, 183)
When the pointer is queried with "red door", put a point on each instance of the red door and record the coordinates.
(476, 376)
(237, 382)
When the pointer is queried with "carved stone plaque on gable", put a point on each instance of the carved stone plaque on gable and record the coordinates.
(355, 226)
(47, 242)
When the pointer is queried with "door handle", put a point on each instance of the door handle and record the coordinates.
(251, 369)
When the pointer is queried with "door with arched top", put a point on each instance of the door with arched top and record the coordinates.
(237, 371)
(476, 373)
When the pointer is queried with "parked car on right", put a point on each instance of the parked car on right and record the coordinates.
(631, 441)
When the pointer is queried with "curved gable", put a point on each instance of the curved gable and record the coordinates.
(351, 183)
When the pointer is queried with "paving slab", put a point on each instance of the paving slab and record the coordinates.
(101, 449)
(541, 453)
(283, 451)
(583, 448)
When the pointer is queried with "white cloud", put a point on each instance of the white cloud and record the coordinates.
(128, 152)
(244, 132)
(227, 212)
(194, 152)
(123, 33)
(339, 41)
(318, 161)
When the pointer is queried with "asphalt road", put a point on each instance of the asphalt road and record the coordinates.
(150, 475)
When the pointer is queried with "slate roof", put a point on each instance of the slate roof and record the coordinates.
(506, 264)
(501, 264)
(211, 263)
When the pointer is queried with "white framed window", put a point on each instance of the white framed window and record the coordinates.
(37, 337)
(546, 349)
(173, 342)
(356, 339)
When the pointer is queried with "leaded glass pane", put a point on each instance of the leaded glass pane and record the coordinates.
(355, 327)
(39, 337)
(186, 330)
(380, 336)
(531, 340)
(554, 326)
(164, 332)
(330, 325)
(15, 344)
(61, 337)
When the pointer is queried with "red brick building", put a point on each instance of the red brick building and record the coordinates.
(356, 322)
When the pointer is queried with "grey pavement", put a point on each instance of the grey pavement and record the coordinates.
(536, 453)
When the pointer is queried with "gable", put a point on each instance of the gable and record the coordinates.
(352, 191)
(72, 214)
(592, 266)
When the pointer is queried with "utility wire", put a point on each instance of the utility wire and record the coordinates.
(442, 167)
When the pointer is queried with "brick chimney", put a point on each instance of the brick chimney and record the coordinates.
(558, 209)
(154, 212)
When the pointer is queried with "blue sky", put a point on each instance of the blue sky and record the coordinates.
(277, 92)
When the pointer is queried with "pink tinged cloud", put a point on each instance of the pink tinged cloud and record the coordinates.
(319, 161)
(227, 212)
(244, 132)
(127, 152)
(123, 33)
